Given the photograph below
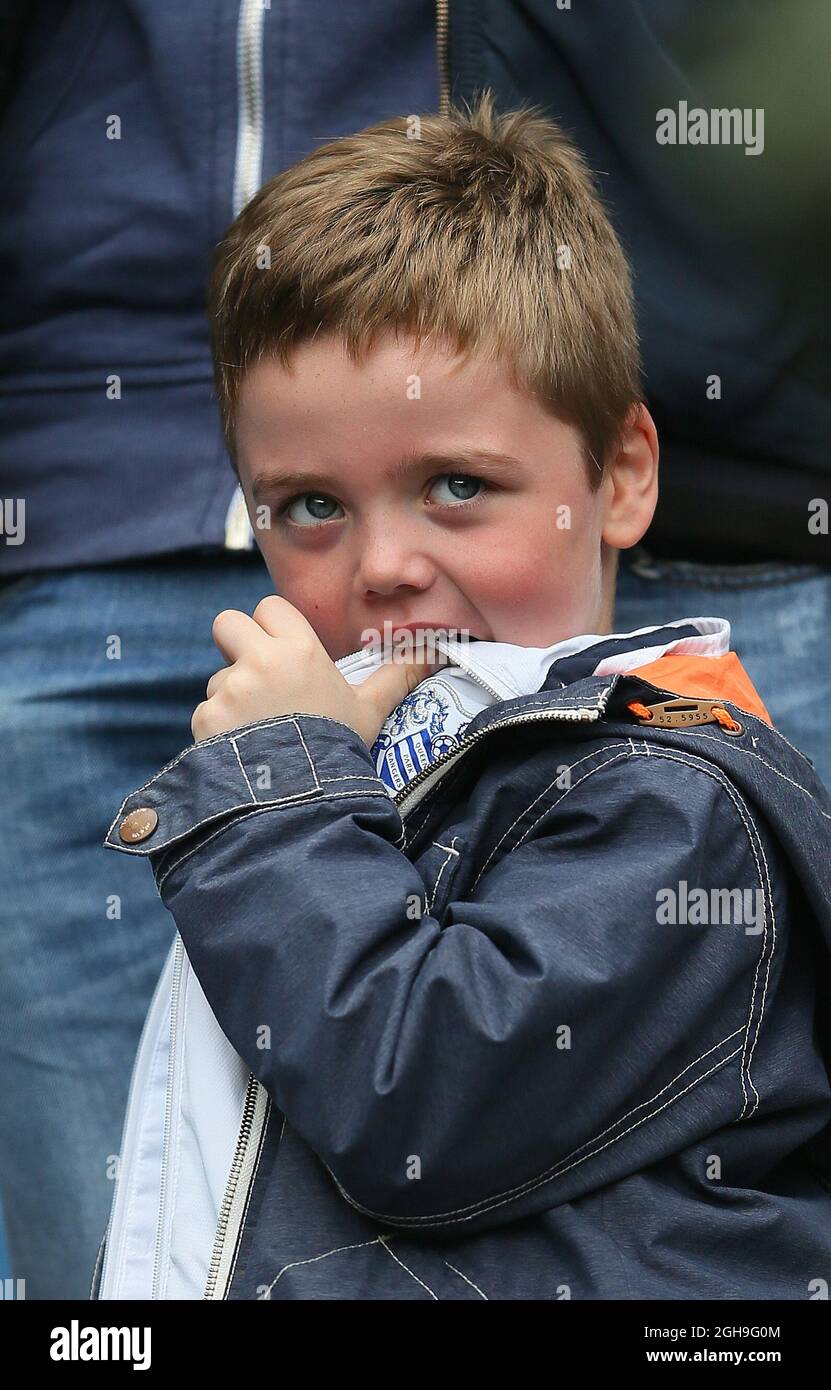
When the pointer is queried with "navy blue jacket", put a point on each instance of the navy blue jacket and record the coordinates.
(496, 1069)
(105, 244)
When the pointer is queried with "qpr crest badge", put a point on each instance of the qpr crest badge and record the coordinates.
(413, 736)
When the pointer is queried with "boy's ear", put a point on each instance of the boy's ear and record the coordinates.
(631, 482)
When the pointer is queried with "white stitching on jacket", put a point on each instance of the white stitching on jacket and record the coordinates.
(242, 769)
(297, 729)
(243, 732)
(450, 853)
(490, 1204)
(308, 754)
(749, 824)
(754, 839)
(313, 794)
(383, 1241)
(748, 752)
(467, 1281)
(349, 777)
(678, 755)
(595, 753)
(487, 1204)
(771, 729)
(413, 829)
(338, 1250)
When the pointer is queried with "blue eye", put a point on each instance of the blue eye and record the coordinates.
(458, 482)
(310, 510)
(316, 504)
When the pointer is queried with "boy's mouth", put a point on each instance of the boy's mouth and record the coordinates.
(389, 632)
(434, 627)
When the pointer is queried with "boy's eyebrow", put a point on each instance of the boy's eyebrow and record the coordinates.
(492, 461)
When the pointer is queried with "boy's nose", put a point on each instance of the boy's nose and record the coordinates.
(390, 566)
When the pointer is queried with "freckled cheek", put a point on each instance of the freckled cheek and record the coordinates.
(316, 592)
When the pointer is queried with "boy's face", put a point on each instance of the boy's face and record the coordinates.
(492, 525)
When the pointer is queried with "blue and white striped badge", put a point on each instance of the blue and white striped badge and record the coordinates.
(415, 734)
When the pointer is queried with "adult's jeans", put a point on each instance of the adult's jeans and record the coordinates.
(780, 618)
(100, 670)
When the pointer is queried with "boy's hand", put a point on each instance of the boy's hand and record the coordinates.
(278, 665)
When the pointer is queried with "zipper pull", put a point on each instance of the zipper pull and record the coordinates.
(679, 713)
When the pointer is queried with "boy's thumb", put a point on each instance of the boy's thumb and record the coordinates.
(387, 687)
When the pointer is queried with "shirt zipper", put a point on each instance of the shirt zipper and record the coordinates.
(247, 179)
(248, 166)
(255, 1110)
(452, 654)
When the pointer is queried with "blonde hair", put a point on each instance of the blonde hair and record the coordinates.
(479, 229)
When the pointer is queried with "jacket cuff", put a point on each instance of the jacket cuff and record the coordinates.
(274, 762)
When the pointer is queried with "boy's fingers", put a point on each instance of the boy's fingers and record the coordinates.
(390, 684)
(233, 632)
(279, 618)
(217, 679)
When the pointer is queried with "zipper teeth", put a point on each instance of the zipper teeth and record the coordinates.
(247, 176)
(250, 112)
(572, 715)
(441, 44)
(447, 650)
(248, 1111)
(168, 1114)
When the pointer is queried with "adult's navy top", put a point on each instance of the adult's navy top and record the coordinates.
(106, 244)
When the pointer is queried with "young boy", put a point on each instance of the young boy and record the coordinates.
(500, 969)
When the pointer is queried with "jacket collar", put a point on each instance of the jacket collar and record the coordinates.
(512, 670)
